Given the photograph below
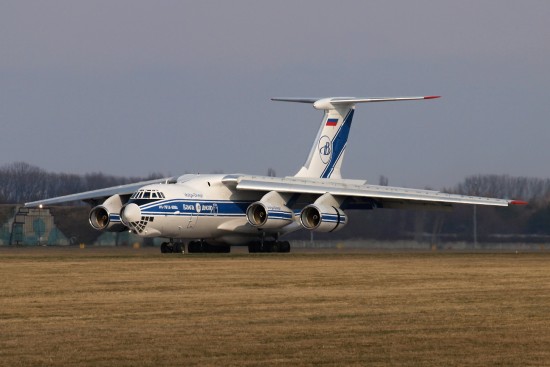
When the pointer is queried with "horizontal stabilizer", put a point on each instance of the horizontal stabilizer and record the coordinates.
(341, 102)
(377, 99)
(298, 100)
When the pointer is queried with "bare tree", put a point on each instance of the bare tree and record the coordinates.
(383, 181)
(22, 182)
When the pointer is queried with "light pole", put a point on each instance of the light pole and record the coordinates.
(475, 226)
(38, 225)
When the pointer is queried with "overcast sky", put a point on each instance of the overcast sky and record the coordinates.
(135, 87)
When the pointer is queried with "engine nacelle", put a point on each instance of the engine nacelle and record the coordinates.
(266, 215)
(323, 218)
(106, 217)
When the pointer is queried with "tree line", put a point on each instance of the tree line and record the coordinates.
(534, 190)
(21, 182)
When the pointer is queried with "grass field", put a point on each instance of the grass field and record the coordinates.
(128, 307)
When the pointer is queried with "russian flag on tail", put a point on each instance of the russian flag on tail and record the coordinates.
(332, 122)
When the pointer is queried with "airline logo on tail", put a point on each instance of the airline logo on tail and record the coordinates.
(325, 149)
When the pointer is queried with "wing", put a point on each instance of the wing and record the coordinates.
(95, 196)
(379, 196)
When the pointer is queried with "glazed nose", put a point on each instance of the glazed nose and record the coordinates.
(130, 213)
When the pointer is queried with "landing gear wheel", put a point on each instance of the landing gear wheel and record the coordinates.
(194, 246)
(170, 247)
(269, 246)
(284, 247)
(254, 247)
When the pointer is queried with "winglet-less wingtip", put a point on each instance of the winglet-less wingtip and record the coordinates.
(432, 97)
(518, 202)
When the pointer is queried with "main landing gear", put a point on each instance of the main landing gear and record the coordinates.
(269, 246)
(171, 247)
(204, 247)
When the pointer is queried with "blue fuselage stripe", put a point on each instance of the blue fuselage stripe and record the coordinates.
(186, 207)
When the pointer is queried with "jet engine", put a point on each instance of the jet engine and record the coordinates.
(270, 212)
(323, 218)
(324, 215)
(106, 217)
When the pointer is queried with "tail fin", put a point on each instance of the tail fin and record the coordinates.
(327, 153)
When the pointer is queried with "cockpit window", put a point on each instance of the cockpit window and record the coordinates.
(147, 194)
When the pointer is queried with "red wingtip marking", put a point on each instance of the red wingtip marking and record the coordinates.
(432, 97)
(518, 202)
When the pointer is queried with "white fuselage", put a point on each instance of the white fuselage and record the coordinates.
(197, 207)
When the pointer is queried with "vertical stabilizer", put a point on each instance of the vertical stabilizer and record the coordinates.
(326, 154)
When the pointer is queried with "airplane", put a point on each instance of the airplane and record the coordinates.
(216, 211)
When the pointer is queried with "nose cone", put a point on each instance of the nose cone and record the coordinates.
(130, 213)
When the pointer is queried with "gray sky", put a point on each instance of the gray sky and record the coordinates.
(135, 87)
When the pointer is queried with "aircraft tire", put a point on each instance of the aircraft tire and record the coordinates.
(206, 248)
(194, 247)
(285, 247)
(264, 247)
(267, 247)
(164, 248)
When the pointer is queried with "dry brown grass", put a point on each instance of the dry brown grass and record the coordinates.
(129, 307)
